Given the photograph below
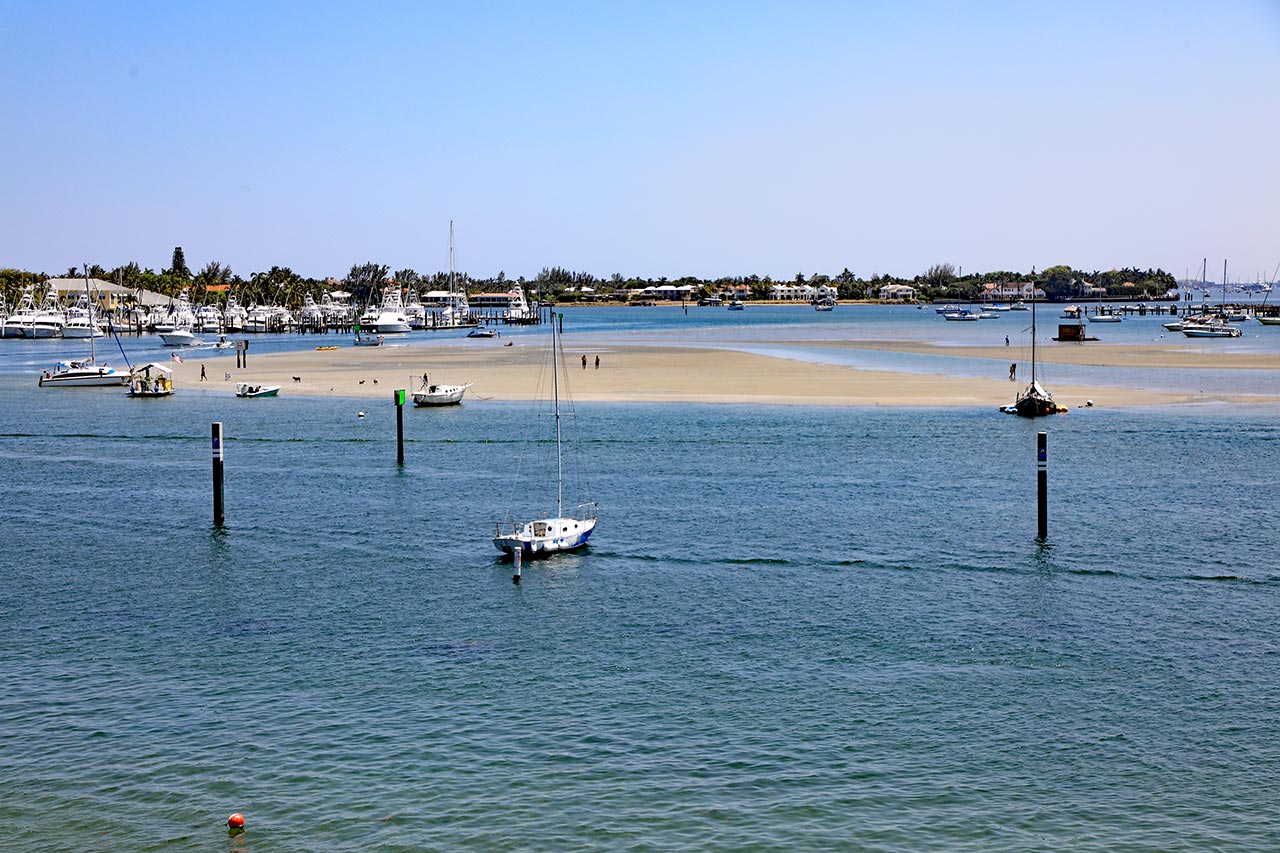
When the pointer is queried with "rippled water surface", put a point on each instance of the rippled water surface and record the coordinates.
(795, 629)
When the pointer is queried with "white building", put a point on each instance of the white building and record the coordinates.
(897, 293)
(790, 292)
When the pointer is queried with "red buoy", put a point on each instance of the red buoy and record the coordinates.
(236, 821)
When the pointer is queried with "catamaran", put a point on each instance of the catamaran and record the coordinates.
(84, 372)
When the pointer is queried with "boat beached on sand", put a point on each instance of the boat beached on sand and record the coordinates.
(1033, 401)
(439, 395)
(244, 389)
(561, 531)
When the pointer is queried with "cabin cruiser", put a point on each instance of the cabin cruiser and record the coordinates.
(391, 319)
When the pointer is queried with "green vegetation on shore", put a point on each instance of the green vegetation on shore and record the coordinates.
(281, 285)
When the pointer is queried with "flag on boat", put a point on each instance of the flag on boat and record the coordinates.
(173, 356)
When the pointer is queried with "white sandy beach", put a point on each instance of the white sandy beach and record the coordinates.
(637, 373)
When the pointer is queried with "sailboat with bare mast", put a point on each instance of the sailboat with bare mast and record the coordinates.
(1034, 401)
(565, 531)
(83, 372)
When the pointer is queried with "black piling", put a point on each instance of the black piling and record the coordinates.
(1042, 485)
(219, 515)
(518, 555)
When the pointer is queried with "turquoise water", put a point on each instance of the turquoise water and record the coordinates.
(796, 629)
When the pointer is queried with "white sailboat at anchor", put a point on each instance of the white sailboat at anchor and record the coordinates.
(563, 530)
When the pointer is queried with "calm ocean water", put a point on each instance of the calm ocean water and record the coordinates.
(797, 628)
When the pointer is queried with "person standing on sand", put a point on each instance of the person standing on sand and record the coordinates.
(584, 361)
(1006, 340)
(1013, 371)
(202, 373)
(597, 362)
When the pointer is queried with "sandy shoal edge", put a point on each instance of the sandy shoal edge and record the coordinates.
(1199, 356)
(640, 374)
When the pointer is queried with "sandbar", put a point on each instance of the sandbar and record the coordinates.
(667, 373)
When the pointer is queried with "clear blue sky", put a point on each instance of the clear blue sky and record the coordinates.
(646, 138)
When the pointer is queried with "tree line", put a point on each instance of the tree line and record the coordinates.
(282, 286)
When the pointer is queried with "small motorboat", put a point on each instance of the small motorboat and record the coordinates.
(369, 340)
(180, 338)
(481, 333)
(244, 389)
(961, 316)
(737, 305)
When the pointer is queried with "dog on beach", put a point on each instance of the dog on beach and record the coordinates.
(297, 379)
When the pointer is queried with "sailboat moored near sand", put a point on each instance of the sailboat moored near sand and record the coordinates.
(1033, 401)
(561, 531)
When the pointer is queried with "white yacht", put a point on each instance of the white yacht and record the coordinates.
(82, 321)
(49, 320)
(415, 312)
(259, 319)
(17, 323)
(208, 318)
(234, 315)
(391, 319)
(311, 314)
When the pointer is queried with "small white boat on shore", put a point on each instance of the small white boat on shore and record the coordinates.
(244, 389)
(481, 333)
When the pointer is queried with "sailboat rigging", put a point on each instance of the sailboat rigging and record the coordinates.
(562, 532)
(1033, 401)
(84, 372)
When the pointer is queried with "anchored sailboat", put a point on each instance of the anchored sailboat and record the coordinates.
(563, 531)
(84, 372)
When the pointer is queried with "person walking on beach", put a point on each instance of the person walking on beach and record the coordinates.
(1013, 372)
(202, 373)
(584, 361)
(1006, 340)
(597, 362)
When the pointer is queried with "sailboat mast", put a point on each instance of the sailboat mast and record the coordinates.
(1033, 332)
(555, 385)
(93, 326)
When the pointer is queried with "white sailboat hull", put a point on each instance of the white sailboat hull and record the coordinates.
(84, 377)
(440, 395)
(546, 536)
